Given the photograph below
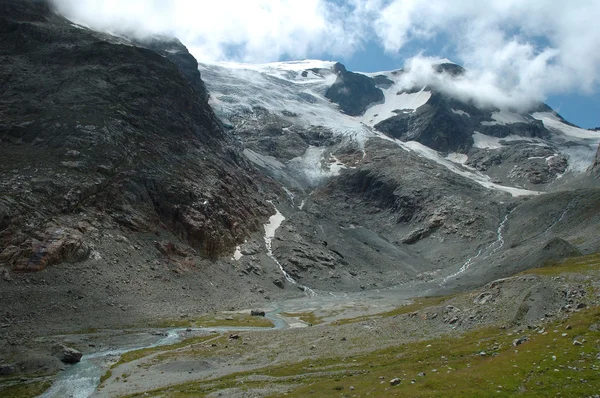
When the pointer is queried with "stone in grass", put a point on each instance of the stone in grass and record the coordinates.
(395, 381)
(66, 354)
(520, 340)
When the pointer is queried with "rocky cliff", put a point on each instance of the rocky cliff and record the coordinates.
(98, 130)
(595, 167)
(353, 92)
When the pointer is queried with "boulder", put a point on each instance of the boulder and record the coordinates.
(7, 369)
(57, 245)
(257, 313)
(66, 354)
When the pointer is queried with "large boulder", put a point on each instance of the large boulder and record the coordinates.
(7, 369)
(66, 354)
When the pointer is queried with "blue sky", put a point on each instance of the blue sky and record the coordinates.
(516, 51)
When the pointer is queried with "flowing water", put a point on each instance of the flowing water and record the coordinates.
(82, 379)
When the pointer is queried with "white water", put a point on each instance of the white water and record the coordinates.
(492, 248)
(562, 216)
(275, 222)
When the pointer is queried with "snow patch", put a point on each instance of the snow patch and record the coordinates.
(394, 103)
(237, 254)
(505, 117)
(95, 255)
(581, 155)
(315, 167)
(459, 158)
(302, 204)
(552, 122)
(475, 176)
(460, 112)
(483, 141)
(275, 222)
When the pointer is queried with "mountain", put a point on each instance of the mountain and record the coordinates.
(140, 188)
(121, 193)
(417, 186)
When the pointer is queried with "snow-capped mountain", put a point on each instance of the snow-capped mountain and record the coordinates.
(501, 149)
(398, 183)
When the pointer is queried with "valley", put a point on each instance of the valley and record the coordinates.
(291, 228)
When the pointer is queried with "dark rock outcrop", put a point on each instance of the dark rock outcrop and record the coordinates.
(434, 125)
(66, 354)
(450, 68)
(7, 369)
(353, 92)
(595, 167)
(447, 124)
(115, 132)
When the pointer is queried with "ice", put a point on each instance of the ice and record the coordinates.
(475, 176)
(237, 255)
(315, 166)
(460, 112)
(279, 88)
(459, 158)
(298, 98)
(504, 117)
(483, 141)
(395, 102)
(552, 122)
(577, 144)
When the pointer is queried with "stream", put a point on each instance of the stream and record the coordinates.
(82, 379)
(490, 250)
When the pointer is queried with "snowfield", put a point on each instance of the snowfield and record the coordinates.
(295, 92)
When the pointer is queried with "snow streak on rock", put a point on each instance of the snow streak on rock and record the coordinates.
(275, 222)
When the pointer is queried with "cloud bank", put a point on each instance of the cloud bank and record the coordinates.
(516, 51)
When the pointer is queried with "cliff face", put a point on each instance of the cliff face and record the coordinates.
(97, 130)
(595, 167)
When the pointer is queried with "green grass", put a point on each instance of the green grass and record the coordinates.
(527, 370)
(580, 265)
(308, 317)
(24, 390)
(416, 305)
(144, 352)
(223, 320)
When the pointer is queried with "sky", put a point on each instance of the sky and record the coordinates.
(516, 52)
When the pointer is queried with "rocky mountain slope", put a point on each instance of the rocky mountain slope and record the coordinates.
(120, 191)
(414, 186)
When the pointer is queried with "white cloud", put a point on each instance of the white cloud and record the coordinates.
(515, 50)
(248, 30)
